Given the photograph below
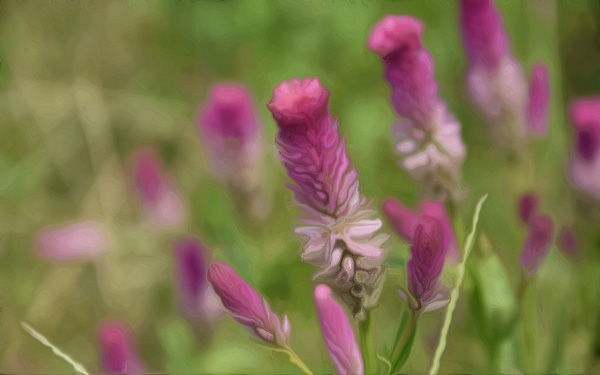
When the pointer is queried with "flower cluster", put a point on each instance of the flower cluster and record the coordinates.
(340, 237)
(496, 81)
(428, 136)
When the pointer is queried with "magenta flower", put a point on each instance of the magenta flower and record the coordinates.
(78, 241)
(539, 101)
(161, 200)
(337, 333)
(117, 353)
(196, 297)
(528, 206)
(428, 137)
(340, 238)
(584, 169)
(496, 81)
(246, 306)
(567, 242)
(538, 243)
(432, 241)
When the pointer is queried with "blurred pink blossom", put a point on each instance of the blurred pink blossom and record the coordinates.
(117, 352)
(72, 242)
(528, 206)
(337, 333)
(567, 242)
(341, 236)
(539, 100)
(538, 243)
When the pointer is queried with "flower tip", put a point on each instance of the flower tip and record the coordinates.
(322, 292)
(298, 102)
(394, 33)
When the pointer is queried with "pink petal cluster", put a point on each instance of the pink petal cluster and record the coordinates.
(584, 168)
(337, 333)
(428, 136)
(161, 201)
(117, 353)
(432, 241)
(78, 241)
(340, 236)
(538, 243)
(196, 297)
(496, 81)
(246, 306)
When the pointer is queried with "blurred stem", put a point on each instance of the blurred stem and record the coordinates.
(366, 344)
(298, 362)
(405, 337)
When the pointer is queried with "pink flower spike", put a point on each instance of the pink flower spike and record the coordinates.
(246, 306)
(79, 241)
(528, 206)
(584, 168)
(402, 219)
(230, 129)
(337, 333)
(539, 101)
(538, 243)
(162, 202)
(567, 242)
(117, 353)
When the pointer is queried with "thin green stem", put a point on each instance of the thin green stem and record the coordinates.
(404, 340)
(366, 344)
(298, 362)
(435, 364)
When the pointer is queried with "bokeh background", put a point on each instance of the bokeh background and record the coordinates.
(85, 84)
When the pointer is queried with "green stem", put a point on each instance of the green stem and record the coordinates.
(366, 344)
(298, 362)
(404, 340)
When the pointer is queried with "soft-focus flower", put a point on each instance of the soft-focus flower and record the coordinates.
(161, 200)
(432, 241)
(496, 81)
(196, 297)
(538, 243)
(72, 242)
(584, 167)
(246, 306)
(528, 206)
(337, 333)
(428, 136)
(340, 236)
(117, 353)
(539, 101)
(567, 242)
(230, 130)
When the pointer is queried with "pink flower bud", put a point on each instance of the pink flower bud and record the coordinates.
(117, 353)
(539, 101)
(72, 242)
(246, 306)
(337, 333)
(161, 201)
(538, 243)
(528, 206)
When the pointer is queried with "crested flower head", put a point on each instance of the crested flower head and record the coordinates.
(538, 243)
(117, 353)
(229, 127)
(337, 333)
(584, 168)
(78, 241)
(246, 306)
(428, 137)
(528, 206)
(161, 200)
(539, 100)
(340, 237)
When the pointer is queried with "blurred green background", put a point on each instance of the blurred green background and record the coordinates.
(84, 84)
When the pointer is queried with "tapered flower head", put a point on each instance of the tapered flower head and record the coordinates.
(337, 333)
(539, 100)
(428, 136)
(528, 206)
(340, 238)
(160, 199)
(567, 242)
(246, 306)
(72, 242)
(538, 243)
(229, 127)
(584, 168)
(117, 352)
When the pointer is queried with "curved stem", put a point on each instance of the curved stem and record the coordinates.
(366, 344)
(404, 340)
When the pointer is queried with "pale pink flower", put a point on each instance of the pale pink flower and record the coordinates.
(78, 241)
